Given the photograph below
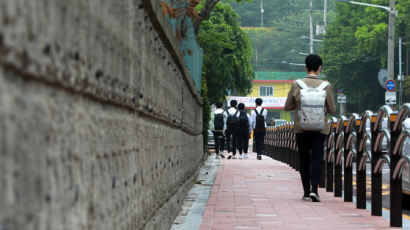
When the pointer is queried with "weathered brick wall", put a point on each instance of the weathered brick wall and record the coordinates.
(99, 120)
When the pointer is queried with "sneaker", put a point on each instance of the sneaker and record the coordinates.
(229, 156)
(314, 196)
(217, 156)
(222, 155)
(246, 156)
(233, 157)
(259, 157)
(306, 198)
(240, 156)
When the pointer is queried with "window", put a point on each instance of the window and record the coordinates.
(265, 91)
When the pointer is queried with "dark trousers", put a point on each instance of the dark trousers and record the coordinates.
(219, 141)
(243, 142)
(259, 139)
(231, 137)
(310, 145)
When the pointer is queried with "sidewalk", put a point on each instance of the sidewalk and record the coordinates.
(252, 194)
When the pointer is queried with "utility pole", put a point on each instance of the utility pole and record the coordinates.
(390, 43)
(262, 13)
(311, 26)
(400, 77)
(325, 14)
(343, 109)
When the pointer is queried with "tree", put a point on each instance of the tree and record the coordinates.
(227, 53)
(285, 22)
(206, 10)
(356, 49)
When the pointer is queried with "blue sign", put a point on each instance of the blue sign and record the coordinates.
(390, 85)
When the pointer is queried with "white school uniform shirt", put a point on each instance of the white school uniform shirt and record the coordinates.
(231, 111)
(253, 115)
(217, 111)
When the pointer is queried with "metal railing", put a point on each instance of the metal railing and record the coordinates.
(347, 143)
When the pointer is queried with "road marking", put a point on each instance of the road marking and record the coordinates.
(404, 215)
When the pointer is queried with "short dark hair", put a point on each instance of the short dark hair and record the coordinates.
(313, 61)
(234, 103)
(218, 104)
(258, 101)
(241, 106)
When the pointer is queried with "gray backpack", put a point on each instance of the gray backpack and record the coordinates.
(312, 108)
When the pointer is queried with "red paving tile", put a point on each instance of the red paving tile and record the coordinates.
(251, 194)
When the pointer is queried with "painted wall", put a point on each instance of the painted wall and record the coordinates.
(280, 89)
(100, 119)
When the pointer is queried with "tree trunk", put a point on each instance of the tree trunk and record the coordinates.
(209, 5)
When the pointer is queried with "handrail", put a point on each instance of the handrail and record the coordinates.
(398, 171)
(400, 141)
(366, 116)
(403, 112)
(379, 139)
(347, 141)
(384, 110)
(350, 156)
(366, 155)
(380, 163)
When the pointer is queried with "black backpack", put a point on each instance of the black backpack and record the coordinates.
(243, 122)
(232, 121)
(219, 121)
(260, 121)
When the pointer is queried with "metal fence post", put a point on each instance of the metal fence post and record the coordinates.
(338, 158)
(348, 174)
(397, 140)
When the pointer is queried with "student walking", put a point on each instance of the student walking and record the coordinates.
(231, 133)
(217, 126)
(313, 99)
(258, 118)
(244, 131)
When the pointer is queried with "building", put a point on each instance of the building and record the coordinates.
(273, 88)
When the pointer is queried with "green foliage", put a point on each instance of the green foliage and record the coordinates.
(227, 53)
(356, 49)
(206, 112)
(285, 22)
(406, 89)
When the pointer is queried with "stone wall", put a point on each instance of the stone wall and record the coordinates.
(100, 122)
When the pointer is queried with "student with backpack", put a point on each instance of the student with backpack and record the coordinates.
(217, 127)
(258, 117)
(231, 132)
(313, 99)
(244, 131)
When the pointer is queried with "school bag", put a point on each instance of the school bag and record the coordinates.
(218, 121)
(260, 121)
(243, 122)
(312, 108)
(232, 121)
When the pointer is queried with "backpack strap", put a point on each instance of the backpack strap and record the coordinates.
(262, 110)
(228, 113)
(301, 84)
(236, 113)
(323, 85)
(256, 111)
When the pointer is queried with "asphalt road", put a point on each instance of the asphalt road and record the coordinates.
(385, 189)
